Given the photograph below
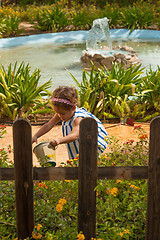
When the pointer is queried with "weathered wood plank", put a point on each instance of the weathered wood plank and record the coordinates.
(55, 173)
(6, 173)
(153, 205)
(87, 173)
(128, 173)
(71, 173)
(23, 177)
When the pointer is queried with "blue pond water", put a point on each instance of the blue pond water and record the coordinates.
(53, 53)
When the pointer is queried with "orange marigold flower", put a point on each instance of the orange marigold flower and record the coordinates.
(36, 235)
(143, 136)
(62, 201)
(134, 187)
(119, 181)
(80, 236)
(39, 227)
(121, 234)
(67, 180)
(126, 231)
(59, 207)
(113, 191)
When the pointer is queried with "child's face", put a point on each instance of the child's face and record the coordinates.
(64, 114)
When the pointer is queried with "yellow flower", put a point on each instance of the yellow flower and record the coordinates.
(62, 201)
(38, 227)
(121, 234)
(134, 187)
(67, 180)
(143, 136)
(119, 181)
(113, 191)
(126, 231)
(59, 207)
(36, 235)
(80, 236)
(105, 138)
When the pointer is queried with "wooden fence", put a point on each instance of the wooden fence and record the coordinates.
(87, 173)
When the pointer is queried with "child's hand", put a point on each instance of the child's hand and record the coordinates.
(34, 139)
(55, 142)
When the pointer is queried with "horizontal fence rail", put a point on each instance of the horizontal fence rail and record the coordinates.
(71, 173)
(87, 175)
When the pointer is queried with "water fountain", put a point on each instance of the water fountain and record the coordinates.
(99, 48)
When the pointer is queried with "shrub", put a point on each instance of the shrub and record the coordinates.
(9, 25)
(116, 85)
(137, 16)
(20, 94)
(52, 20)
(149, 88)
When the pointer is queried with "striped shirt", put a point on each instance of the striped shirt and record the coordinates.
(67, 126)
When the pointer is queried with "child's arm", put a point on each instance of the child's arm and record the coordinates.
(46, 128)
(71, 137)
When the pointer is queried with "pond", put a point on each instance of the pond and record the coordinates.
(53, 58)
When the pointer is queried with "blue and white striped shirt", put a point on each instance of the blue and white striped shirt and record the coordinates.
(67, 126)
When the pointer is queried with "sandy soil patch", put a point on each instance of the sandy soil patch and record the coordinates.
(122, 132)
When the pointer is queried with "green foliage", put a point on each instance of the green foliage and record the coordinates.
(124, 216)
(9, 25)
(55, 15)
(116, 85)
(7, 210)
(120, 92)
(149, 117)
(83, 17)
(2, 130)
(53, 20)
(137, 16)
(149, 89)
(137, 110)
(130, 153)
(112, 13)
(20, 94)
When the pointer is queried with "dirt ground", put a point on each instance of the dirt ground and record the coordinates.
(122, 132)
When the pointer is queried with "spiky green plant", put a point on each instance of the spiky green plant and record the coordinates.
(20, 93)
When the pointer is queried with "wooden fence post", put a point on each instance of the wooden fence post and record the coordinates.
(87, 173)
(153, 208)
(23, 177)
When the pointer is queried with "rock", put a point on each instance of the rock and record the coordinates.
(98, 56)
(134, 59)
(107, 62)
(126, 48)
(85, 59)
(126, 59)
